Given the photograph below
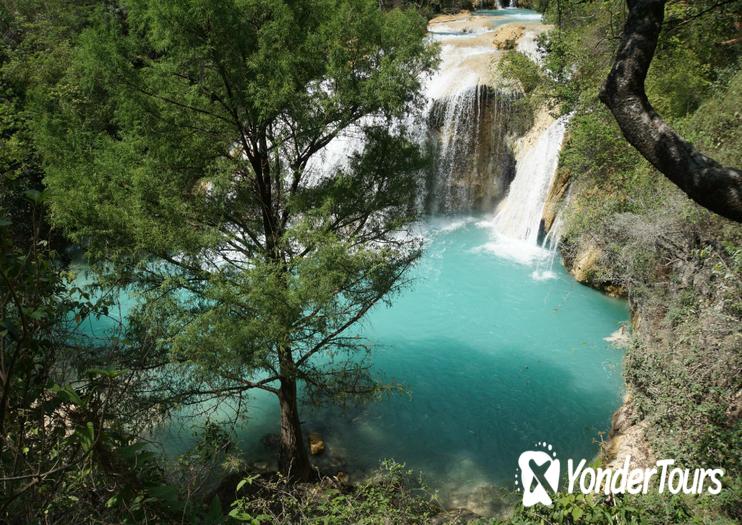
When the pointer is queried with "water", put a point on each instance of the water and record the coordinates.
(471, 121)
(495, 344)
(519, 216)
(492, 359)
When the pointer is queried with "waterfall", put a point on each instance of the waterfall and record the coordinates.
(545, 267)
(519, 216)
(517, 224)
(474, 163)
(470, 124)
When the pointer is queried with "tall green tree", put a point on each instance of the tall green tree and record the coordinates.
(185, 146)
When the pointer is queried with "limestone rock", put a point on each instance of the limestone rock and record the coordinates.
(627, 438)
(620, 338)
(508, 35)
(584, 264)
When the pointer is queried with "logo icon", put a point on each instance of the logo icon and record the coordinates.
(538, 474)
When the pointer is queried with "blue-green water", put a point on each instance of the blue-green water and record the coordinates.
(494, 355)
(496, 18)
(493, 362)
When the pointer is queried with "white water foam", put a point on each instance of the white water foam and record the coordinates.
(520, 215)
(515, 225)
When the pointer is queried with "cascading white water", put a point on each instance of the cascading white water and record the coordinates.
(474, 162)
(470, 122)
(469, 126)
(519, 216)
(516, 224)
(545, 268)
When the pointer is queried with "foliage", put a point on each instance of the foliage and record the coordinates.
(64, 450)
(194, 128)
(517, 66)
(392, 494)
(180, 142)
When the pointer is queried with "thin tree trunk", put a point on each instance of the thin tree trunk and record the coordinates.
(704, 180)
(293, 459)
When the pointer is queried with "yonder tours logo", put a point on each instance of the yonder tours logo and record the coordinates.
(539, 471)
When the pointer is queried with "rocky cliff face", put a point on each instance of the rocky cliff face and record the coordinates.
(627, 438)
(471, 134)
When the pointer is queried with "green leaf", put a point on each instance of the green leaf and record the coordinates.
(240, 485)
(68, 394)
(240, 515)
(248, 480)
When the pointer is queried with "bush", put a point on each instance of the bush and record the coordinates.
(518, 67)
(393, 494)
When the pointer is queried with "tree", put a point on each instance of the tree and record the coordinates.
(183, 148)
(704, 180)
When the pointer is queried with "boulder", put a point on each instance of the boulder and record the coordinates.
(508, 35)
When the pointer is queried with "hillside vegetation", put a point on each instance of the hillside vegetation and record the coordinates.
(629, 231)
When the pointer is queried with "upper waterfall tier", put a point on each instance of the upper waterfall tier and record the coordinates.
(472, 120)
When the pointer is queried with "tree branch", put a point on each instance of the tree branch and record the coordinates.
(704, 180)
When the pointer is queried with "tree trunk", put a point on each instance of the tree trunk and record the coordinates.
(293, 460)
(704, 180)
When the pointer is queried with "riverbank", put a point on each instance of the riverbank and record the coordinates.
(629, 232)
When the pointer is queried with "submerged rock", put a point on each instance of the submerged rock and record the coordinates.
(316, 443)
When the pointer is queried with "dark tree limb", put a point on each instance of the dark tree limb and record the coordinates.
(704, 180)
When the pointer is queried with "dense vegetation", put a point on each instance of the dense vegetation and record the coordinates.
(87, 149)
(173, 142)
